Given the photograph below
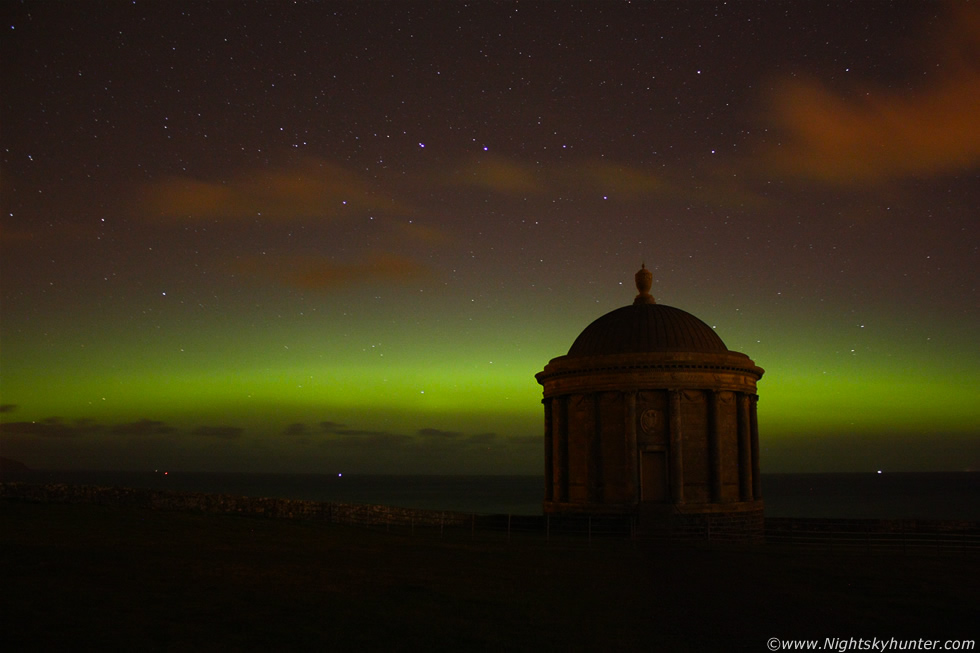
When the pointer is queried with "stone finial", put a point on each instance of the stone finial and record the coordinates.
(644, 279)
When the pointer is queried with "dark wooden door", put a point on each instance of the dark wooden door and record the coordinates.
(653, 479)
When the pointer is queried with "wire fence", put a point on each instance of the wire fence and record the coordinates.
(905, 537)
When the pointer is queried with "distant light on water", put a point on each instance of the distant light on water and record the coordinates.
(879, 471)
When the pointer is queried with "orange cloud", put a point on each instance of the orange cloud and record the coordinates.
(883, 134)
(426, 235)
(15, 236)
(320, 273)
(502, 176)
(615, 179)
(511, 178)
(312, 188)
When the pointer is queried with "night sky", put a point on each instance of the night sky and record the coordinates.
(343, 237)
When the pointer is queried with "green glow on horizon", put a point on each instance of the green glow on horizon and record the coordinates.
(442, 377)
(879, 404)
(878, 400)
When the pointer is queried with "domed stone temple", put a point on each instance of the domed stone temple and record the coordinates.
(650, 415)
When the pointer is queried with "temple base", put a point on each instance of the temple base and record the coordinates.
(741, 522)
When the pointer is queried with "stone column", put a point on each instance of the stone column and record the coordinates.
(676, 454)
(754, 437)
(631, 469)
(595, 481)
(561, 470)
(549, 452)
(744, 448)
(714, 447)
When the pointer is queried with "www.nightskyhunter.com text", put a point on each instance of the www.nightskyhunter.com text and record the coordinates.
(843, 644)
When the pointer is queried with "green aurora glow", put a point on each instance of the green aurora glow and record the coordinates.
(894, 383)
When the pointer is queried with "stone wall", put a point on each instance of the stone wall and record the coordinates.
(740, 526)
(337, 513)
(749, 526)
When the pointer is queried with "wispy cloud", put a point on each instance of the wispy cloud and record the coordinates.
(14, 236)
(330, 443)
(219, 432)
(425, 441)
(322, 273)
(296, 428)
(499, 175)
(51, 427)
(56, 427)
(519, 179)
(308, 188)
(143, 427)
(616, 180)
(335, 428)
(362, 441)
(438, 433)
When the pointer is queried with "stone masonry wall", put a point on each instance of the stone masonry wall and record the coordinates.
(747, 526)
(337, 513)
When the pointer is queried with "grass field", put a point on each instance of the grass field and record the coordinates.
(86, 577)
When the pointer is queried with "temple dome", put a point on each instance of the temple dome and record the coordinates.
(643, 328)
(646, 327)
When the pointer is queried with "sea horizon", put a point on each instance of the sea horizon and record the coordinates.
(845, 495)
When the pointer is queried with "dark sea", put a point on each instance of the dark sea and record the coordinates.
(895, 495)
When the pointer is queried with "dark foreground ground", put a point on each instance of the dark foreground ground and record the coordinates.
(86, 577)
